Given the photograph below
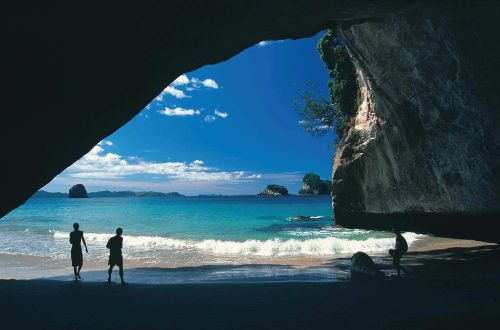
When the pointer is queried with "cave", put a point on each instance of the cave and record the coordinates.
(421, 153)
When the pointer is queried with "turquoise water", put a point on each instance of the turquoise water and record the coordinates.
(187, 231)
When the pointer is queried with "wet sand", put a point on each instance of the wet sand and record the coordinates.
(455, 287)
(33, 267)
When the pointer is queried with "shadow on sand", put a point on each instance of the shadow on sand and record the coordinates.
(248, 273)
(457, 288)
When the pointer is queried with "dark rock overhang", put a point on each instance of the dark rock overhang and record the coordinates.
(73, 74)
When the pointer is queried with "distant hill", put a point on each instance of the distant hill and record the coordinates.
(210, 195)
(157, 194)
(46, 194)
(107, 193)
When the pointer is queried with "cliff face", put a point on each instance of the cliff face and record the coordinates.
(424, 139)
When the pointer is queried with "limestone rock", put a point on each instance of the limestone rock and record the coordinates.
(274, 190)
(423, 144)
(78, 191)
(363, 268)
(424, 138)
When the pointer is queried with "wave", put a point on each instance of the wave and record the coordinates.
(328, 231)
(304, 218)
(272, 247)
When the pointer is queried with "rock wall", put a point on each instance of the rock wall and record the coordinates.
(74, 73)
(424, 140)
(422, 153)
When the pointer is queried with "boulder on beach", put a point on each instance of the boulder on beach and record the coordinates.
(363, 268)
(78, 191)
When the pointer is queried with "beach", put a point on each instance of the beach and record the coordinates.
(187, 233)
(234, 268)
(452, 288)
(232, 263)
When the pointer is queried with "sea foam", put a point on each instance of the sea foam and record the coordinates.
(273, 247)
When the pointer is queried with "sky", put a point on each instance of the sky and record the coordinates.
(228, 128)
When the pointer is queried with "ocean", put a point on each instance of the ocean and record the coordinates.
(254, 238)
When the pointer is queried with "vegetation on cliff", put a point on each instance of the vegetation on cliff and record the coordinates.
(320, 114)
(313, 185)
(274, 190)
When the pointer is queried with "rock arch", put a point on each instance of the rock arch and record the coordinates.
(73, 75)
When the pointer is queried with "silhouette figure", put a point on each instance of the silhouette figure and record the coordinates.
(398, 252)
(75, 239)
(114, 245)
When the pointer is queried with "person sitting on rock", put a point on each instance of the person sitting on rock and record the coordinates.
(398, 252)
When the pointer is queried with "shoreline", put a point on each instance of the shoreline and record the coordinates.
(316, 267)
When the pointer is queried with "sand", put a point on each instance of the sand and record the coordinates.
(454, 287)
(34, 267)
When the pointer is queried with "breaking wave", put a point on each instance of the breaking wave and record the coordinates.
(273, 247)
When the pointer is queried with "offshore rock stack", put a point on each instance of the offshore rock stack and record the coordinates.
(78, 191)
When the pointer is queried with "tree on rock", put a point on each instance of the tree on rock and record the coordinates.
(319, 114)
(313, 185)
(275, 190)
(78, 191)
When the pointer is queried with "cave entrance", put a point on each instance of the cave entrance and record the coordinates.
(189, 179)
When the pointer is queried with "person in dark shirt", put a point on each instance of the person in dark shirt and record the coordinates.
(76, 239)
(398, 252)
(114, 245)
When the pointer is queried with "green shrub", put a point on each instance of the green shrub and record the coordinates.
(277, 188)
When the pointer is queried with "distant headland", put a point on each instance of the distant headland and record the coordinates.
(78, 193)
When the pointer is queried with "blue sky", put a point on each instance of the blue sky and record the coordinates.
(228, 128)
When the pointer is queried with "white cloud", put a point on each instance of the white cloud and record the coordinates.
(210, 83)
(106, 142)
(177, 93)
(268, 42)
(183, 84)
(218, 114)
(221, 114)
(181, 80)
(254, 176)
(179, 112)
(209, 118)
(197, 83)
(97, 164)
